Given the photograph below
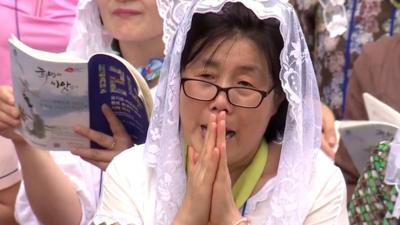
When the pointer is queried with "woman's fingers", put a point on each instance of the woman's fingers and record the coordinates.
(98, 157)
(222, 179)
(221, 130)
(120, 141)
(115, 143)
(224, 162)
(116, 126)
(9, 120)
(6, 95)
(210, 138)
(113, 146)
(203, 162)
(223, 171)
(100, 138)
(209, 159)
(223, 208)
(8, 112)
(203, 168)
(222, 197)
(93, 154)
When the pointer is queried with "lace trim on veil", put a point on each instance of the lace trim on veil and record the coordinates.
(88, 35)
(303, 124)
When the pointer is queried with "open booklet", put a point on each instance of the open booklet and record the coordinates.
(360, 137)
(56, 92)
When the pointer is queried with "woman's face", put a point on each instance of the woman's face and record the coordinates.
(131, 20)
(239, 63)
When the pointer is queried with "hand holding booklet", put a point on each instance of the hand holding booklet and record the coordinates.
(360, 137)
(56, 92)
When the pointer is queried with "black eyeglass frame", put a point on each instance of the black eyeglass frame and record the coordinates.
(263, 94)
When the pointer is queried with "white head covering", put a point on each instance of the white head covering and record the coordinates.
(88, 35)
(288, 201)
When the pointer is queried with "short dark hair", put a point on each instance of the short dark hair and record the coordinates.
(235, 19)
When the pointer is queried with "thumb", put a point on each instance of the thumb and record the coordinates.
(223, 171)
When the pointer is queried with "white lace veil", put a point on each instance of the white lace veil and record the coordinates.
(288, 202)
(88, 35)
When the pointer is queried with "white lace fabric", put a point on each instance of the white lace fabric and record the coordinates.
(303, 124)
(88, 35)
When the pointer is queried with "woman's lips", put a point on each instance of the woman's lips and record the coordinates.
(121, 12)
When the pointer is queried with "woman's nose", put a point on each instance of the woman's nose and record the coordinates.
(221, 103)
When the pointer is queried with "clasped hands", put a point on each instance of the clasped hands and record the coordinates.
(208, 198)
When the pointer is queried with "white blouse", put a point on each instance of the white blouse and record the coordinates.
(129, 194)
(86, 179)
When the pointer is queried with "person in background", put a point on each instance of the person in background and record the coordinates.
(377, 72)
(44, 25)
(133, 30)
(71, 185)
(334, 50)
(329, 141)
(235, 134)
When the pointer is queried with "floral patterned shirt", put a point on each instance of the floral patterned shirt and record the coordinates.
(334, 57)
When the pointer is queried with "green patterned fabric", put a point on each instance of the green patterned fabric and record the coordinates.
(373, 201)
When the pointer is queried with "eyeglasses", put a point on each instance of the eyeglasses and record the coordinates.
(238, 96)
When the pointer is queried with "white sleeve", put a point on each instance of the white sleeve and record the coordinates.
(329, 207)
(84, 176)
(125, 191)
